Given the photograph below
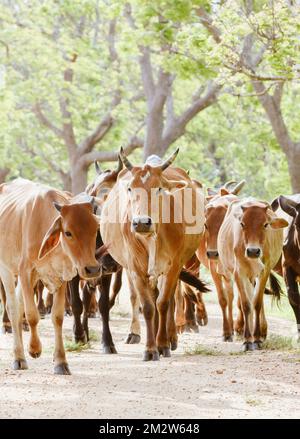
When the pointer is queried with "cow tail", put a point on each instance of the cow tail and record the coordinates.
(275, 288)
(189, 278)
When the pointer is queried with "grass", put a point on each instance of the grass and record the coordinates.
(72, 346)
(199, 349)
(253, 402)
(94, 335)
(279, 343)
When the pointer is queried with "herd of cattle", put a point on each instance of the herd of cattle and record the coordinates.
(157, 224)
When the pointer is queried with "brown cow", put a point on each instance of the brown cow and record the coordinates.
(148, 240)
(249, 245)
(207, 253)
(44, 236)
(291, 250)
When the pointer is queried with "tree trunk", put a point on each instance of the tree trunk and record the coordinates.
(293, 159)
(153, 135)
(3, 174)
(78, 177)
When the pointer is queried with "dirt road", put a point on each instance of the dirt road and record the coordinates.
(220, 382)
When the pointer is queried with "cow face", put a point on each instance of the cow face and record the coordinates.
(214, 216)
(292, 208)
(104, 182)
(145, 189)
(75, 229)
(255, 221)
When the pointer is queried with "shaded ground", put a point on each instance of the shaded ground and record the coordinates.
(219, 383)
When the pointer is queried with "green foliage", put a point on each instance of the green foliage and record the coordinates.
(229, 140)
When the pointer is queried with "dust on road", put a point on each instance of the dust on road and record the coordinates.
(227, 384)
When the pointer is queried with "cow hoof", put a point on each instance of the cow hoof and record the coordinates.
(227, 338)
(62, 369)
(6, 329)
(151, 355)
(35, 354)
(20, 365)
(248, 346)
(189, 327)
(68, 312)
(257, 345)
(202, 321)
(25, 326)
(109, 350)
(48, 309)
(92, 315)
(165, 352)
(174, 345)
(133, 338)
(80, 338)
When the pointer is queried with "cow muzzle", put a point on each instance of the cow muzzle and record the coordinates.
(212, 254)
(91, 271)
(253, 252)
(142, 224)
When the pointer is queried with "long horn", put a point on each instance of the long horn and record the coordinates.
(97, 167)
(229, 183)
(238, 187)
(120, 165)
(170, 160)
(125, 160)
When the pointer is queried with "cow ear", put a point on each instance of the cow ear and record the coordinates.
(51, 238)
(278, 223)
(224, 192)
(176, 185)
(288, 205)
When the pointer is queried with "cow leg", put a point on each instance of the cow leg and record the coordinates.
(117, 284)
(244, 285)
(57, 315)
(239, 323)
(77, 308)
(201, 314)
(134, 336)
(263, 323)
(293, 294)
(49, 302)
(189, 312)
(31, 312)
(107, 341)
(87, 294)
(147, 299)
(224, 303)
(171, 325)
(68, 308)
(179, 313)
(6, 325)
(39, 288)
(14, 306)
(166, 294)
(258, 306)
(92, 312)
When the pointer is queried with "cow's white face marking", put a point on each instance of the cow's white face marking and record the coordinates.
(145, 177)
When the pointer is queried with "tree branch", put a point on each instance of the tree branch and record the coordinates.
(37, 110)
(177, 128)
(147, 74)
(109, 156)
(207, 22)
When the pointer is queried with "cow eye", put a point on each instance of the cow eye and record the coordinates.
(242, 225)
(68, 234)
(205, 225)
(159, 190)
(266, 225)
(129, 189)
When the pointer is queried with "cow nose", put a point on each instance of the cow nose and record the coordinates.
(142, 224)
(253, 252)
(212, 254)
(92, 270)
